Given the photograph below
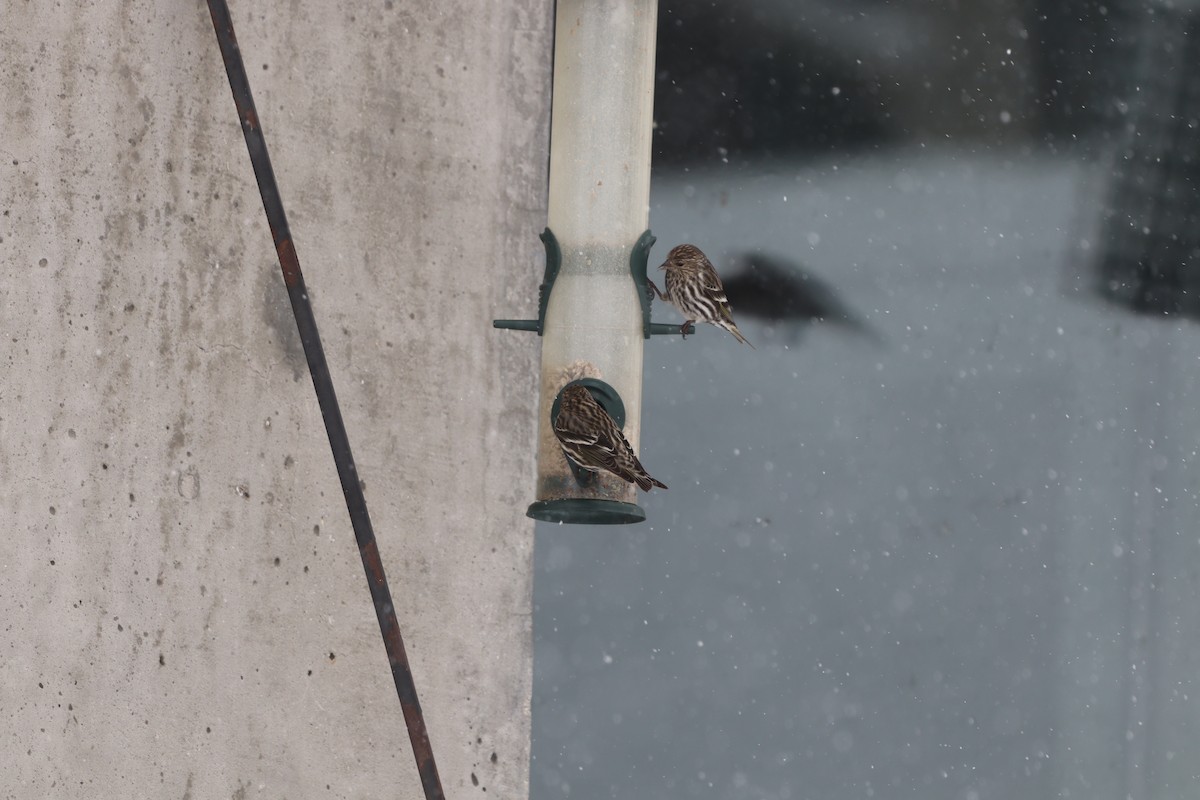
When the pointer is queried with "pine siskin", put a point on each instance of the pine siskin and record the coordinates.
(591, 439)
(694, 288)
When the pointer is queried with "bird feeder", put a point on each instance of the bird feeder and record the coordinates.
(594, 308)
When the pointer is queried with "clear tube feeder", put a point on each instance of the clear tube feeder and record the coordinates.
(594, 310)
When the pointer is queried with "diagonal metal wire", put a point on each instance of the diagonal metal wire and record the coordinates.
(339, 442)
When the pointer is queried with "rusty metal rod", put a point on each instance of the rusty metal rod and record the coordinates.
(339, 442)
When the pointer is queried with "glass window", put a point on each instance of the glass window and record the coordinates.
(936, 536)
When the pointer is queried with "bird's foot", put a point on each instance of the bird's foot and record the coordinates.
(654, 292)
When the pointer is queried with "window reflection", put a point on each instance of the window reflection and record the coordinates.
(937, 536)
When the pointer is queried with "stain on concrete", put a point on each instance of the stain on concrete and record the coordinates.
(281, 325)
(188, 483)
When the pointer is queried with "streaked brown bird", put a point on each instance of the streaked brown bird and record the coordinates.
(591, 439)
(693, 287)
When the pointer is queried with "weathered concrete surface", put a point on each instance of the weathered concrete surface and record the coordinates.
(182, 608)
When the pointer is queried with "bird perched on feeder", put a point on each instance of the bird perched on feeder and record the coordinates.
(591, 439)
(693, 287)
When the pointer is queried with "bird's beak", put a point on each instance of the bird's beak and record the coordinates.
(663, 265)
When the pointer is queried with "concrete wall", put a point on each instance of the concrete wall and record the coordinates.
(182, 608)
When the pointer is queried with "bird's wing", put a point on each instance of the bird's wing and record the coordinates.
(608, 446)
(573, 431)
(604, 442)
(612, 445)
(711, 282)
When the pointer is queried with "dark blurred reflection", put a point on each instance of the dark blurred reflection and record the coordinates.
(774, 77)
(789, 297)
(1151, 224)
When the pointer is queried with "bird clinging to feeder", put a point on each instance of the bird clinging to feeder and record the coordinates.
(693, 287)
(591, 439)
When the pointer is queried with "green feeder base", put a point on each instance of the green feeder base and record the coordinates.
(586, 512)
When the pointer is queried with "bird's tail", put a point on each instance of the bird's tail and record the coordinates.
(729, 326)
(645, 481)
